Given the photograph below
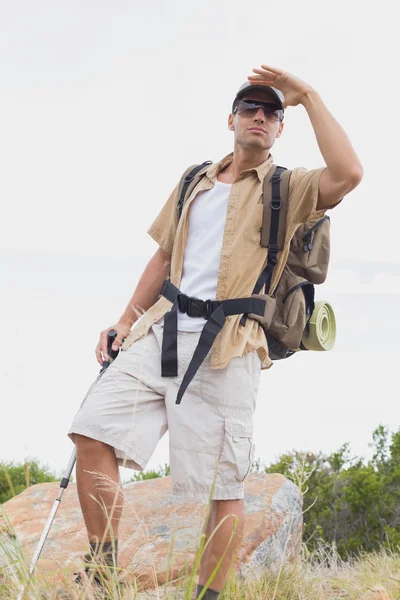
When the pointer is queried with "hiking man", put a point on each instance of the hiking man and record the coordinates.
(205, 396)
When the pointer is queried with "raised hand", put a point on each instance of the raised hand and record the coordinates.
(293, 88)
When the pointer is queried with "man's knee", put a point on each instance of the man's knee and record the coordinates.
(88, 448)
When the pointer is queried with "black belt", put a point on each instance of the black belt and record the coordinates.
(214, 311)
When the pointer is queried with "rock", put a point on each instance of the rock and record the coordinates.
(151, 517)
(377, 593)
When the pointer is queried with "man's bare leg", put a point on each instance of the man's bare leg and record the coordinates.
(100, 495)
(218, 545)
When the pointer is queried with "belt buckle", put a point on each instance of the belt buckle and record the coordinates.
(194, 307)
(183, 303)
(207, 309)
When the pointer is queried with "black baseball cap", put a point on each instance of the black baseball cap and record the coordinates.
(247, 87)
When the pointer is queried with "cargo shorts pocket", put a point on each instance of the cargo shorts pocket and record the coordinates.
(238, 451)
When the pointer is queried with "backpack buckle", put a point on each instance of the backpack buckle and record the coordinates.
(194, 307)
(273, 254)
(207, 309)
(275, 205)
(183, 303)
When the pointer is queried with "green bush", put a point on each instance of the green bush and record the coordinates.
(349, 502)
(142, 475)
(16, 477)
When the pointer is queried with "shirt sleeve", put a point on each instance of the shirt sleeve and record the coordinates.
(303, 194)
(163, 229)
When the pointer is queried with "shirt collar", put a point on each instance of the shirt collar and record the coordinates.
(261, 170)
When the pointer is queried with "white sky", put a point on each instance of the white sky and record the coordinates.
(102, 106)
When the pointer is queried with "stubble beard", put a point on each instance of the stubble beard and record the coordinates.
(254, 144)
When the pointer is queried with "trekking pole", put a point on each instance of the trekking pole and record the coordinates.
(112, 334)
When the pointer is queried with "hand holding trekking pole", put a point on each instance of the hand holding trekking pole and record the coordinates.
(110, 354)
(103, 349)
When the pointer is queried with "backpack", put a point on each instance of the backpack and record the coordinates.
(292, 320)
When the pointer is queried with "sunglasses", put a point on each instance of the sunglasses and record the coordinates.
(247, 108)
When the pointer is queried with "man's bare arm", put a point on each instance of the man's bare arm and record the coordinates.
(344, 170)
(144, 296)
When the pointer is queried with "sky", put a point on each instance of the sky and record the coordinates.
(103, 105)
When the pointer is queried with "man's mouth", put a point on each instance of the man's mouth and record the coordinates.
(257, 129)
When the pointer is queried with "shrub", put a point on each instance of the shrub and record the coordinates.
(16, 477)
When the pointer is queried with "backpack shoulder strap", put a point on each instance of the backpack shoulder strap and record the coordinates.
(275, 206)
(275, 201)
(189, 180)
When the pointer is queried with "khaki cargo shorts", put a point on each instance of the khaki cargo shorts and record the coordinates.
(211, 432)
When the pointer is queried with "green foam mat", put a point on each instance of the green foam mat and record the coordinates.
(322, 329)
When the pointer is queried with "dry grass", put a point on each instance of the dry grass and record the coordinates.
(319, 577)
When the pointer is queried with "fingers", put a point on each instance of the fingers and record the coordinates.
(265, 74)
(260, 80)
(266, 71)
(117, 343)
(272, 69)
(101, 349)
(260, 74)
(98, 355)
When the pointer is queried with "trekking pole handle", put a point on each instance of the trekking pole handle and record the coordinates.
(112, 334)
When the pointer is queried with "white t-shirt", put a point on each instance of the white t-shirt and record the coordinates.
(203, 249)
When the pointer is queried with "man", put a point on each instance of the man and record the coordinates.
(212, 253)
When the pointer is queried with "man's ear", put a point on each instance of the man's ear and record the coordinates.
(280, 130)
(231, 124)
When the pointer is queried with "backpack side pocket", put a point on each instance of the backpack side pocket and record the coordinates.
(310, 250)
(294, 307)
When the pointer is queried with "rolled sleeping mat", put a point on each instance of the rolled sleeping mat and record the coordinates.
(322, 328)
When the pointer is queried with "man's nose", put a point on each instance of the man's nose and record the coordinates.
(259, 116)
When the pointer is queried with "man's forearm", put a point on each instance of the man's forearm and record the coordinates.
(147, 290)
(335, 146)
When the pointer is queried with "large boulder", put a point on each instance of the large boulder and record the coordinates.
(152, 518)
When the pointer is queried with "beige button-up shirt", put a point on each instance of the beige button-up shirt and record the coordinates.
(242, 256)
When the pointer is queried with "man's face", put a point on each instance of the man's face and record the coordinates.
(257, 132)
